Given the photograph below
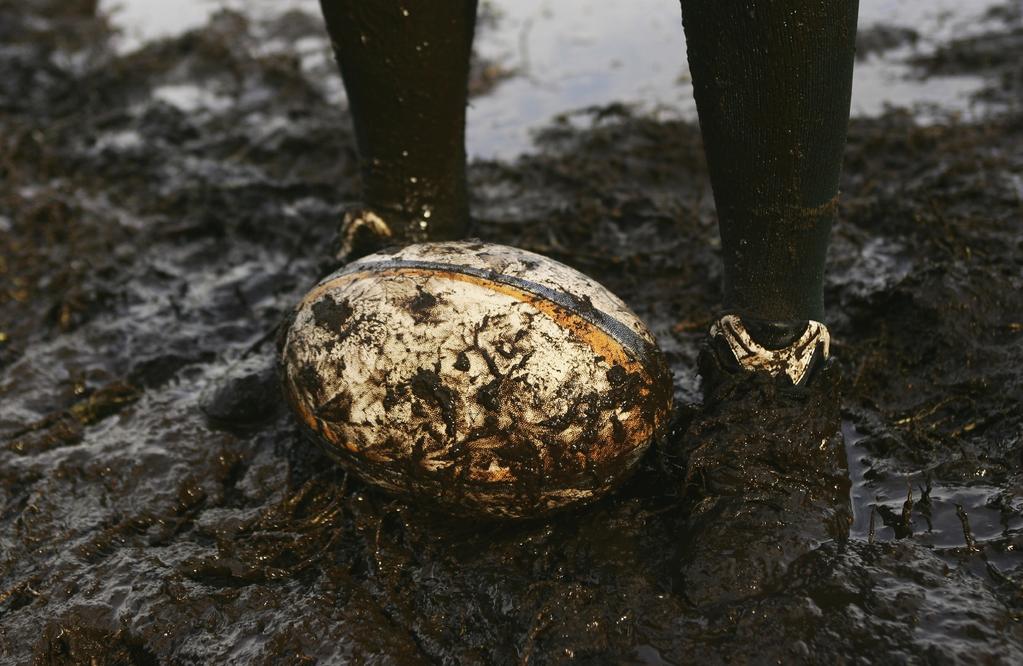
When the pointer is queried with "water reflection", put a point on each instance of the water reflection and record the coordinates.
(569, 54)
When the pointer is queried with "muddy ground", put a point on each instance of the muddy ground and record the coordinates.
(144, 251)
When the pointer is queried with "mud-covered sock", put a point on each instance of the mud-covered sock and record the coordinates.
(772, 82)
(405, 68)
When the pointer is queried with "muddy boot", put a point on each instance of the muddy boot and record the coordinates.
(363, 231)
(767, 477)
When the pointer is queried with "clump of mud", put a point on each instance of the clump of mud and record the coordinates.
(161, 210)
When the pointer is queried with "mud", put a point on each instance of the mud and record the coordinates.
(879, 38)
(992, 52)
(145, 250)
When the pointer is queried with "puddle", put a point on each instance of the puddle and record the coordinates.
(571, 54)
(889, 507)
(190, 98)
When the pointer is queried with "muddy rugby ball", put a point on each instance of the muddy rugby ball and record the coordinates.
(487, 379)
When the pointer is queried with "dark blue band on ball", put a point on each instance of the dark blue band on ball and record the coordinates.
(624, 335)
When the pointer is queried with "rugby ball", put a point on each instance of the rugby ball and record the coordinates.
(482, 378)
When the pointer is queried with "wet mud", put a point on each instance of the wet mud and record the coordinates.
(880, 38)
(147, 249)
(991, 52)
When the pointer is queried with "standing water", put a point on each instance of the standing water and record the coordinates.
(559, 56)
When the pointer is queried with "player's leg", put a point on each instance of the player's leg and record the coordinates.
(772, 82)
(405, 69)
(767, 475)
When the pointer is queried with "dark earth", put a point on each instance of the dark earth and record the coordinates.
(150, 515)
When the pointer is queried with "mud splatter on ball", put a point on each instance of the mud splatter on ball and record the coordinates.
(483, 378)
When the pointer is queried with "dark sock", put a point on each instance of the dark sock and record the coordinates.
(774, 334)
(772, 81)
(405, 67)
